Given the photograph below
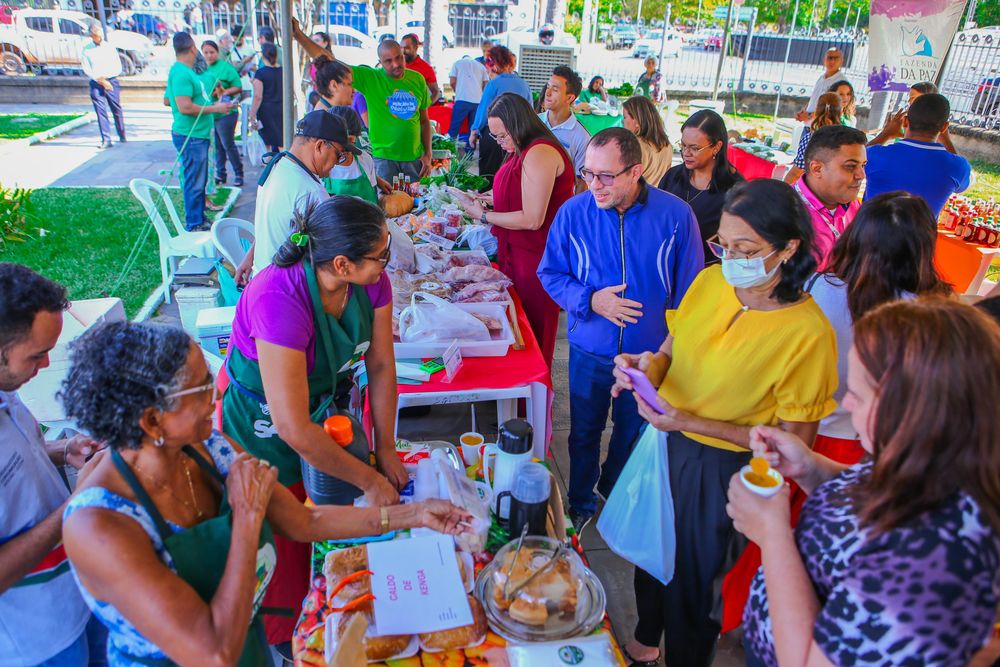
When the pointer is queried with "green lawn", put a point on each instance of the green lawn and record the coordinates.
(23, 125)
(987, 185)
(89, 233)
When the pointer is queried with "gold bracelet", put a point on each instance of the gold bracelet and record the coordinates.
(383, 513)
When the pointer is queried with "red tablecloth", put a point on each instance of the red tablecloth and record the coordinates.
(749, 165)
(441, 114)
(962, 264)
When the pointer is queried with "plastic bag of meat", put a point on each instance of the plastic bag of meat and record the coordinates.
(492, 323)
(472, 274)
(489, 291)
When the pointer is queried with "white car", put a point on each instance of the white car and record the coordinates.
(349, 45)
(513, 39)
(416, 26)
(38, 38)
(649, 46)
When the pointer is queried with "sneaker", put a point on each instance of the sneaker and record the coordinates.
(203, 227)
(579, 521)
(220, 180)
(238, 182)
(104, 145)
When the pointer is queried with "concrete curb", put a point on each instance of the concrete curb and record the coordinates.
(50, 133)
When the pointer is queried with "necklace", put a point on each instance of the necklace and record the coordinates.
(158, 485)
(700, 192)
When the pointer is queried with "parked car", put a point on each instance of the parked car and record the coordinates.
(622, 36)
(987, 99)
(38, 39)
(349, 45)
(649, 46)
(153, 27)
(513, 39)
(416, 26)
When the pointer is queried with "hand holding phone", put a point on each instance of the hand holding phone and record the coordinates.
(643, 387)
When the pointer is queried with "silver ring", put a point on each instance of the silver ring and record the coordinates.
(264, 462)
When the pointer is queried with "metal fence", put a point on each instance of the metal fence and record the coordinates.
(971, 80)
(474, 22)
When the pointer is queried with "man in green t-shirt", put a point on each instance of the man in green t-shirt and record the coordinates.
(194, 120)
(398, 125)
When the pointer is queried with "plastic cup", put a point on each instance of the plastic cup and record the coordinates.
(471, 444)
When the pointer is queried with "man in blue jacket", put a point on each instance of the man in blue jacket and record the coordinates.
(617, 257)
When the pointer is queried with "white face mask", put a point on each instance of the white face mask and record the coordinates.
(744, 273)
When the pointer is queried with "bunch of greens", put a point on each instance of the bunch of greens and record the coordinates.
(14, 203)
(441, 142)
(458, 176)
(624, 90)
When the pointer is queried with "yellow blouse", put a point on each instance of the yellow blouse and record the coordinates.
(655, 162)
(753, 369)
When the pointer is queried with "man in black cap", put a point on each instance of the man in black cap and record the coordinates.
(292, 181)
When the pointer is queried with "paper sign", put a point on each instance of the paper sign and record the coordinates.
(452, 360)
(417, 586)
(431, 237)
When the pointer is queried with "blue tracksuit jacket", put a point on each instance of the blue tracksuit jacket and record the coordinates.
(654, 247)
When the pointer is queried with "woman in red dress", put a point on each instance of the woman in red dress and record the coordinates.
(533, 182)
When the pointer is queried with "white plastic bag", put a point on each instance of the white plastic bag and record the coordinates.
(402, 255)
(638, 520)
(255, 149)
(437, 321)
(478, 236)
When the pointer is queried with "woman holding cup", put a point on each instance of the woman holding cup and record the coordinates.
(898, 556)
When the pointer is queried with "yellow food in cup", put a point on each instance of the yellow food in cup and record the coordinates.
(757, 479)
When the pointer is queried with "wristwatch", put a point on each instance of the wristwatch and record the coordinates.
(483, 220)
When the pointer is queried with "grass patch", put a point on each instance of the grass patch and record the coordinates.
(89, 233)
(987, 185)
(23, 125)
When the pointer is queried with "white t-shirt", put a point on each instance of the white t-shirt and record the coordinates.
(823, 84)
(573, 136)
(470, 78)
(830, 294)
(352, 171)
(288, 188)
(43, 615)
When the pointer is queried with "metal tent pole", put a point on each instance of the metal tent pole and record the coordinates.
(784, 65)
(287, 74)
(722, 50)
(663, 40)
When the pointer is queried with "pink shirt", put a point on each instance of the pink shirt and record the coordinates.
(276, 308)
(827, 225)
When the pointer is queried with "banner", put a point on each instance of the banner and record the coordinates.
(909, 40)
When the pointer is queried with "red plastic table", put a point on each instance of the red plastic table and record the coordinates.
(441, 114)
(962, 264)
(749, 165)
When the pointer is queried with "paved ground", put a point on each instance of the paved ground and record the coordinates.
(73, 159)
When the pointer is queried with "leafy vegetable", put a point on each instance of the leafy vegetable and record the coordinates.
(458, 176)
(444, 143)
(624, 90)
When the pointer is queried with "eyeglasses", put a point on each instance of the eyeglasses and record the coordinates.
(500, 137)
(686, 149)
(341, 154)
(605, 179)
(209, 386)
(719, 251)
(384, 256)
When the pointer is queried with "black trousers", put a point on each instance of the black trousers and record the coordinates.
(687, 611)
(108, 99)
(491, 156)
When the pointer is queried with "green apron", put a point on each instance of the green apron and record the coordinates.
(200, 552)
(360, 187)
(339, 344)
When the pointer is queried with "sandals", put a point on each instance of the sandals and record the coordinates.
(632, 662)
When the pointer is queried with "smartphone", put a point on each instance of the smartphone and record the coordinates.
(643, 387)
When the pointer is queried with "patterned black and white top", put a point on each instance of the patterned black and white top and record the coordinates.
(924, 594)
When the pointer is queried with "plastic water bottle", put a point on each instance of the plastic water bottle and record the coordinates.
(326, 489)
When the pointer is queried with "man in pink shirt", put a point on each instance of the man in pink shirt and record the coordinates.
(835, 168)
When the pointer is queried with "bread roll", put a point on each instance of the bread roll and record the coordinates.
(456, 638)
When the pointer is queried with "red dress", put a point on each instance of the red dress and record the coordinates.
(520, 250)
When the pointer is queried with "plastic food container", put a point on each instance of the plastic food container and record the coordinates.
(498, 346)
(766, 491)
(565, 599)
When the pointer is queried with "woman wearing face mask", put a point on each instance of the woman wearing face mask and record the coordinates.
(896, 560)
(748, 346)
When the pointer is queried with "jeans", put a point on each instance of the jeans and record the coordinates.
(194, 164)
(225, 146)
(459, 113)
(389, 169)
(89, 649)
(103, 99)
(590, 382)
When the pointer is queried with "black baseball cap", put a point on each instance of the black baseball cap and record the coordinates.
(354, 125)
(325, 126)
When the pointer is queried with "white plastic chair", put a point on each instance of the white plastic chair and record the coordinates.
(172, 247)
(232, 237)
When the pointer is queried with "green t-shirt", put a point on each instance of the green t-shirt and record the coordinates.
(587, 96)
(224, 73)
(394, 107)
(184, 82)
